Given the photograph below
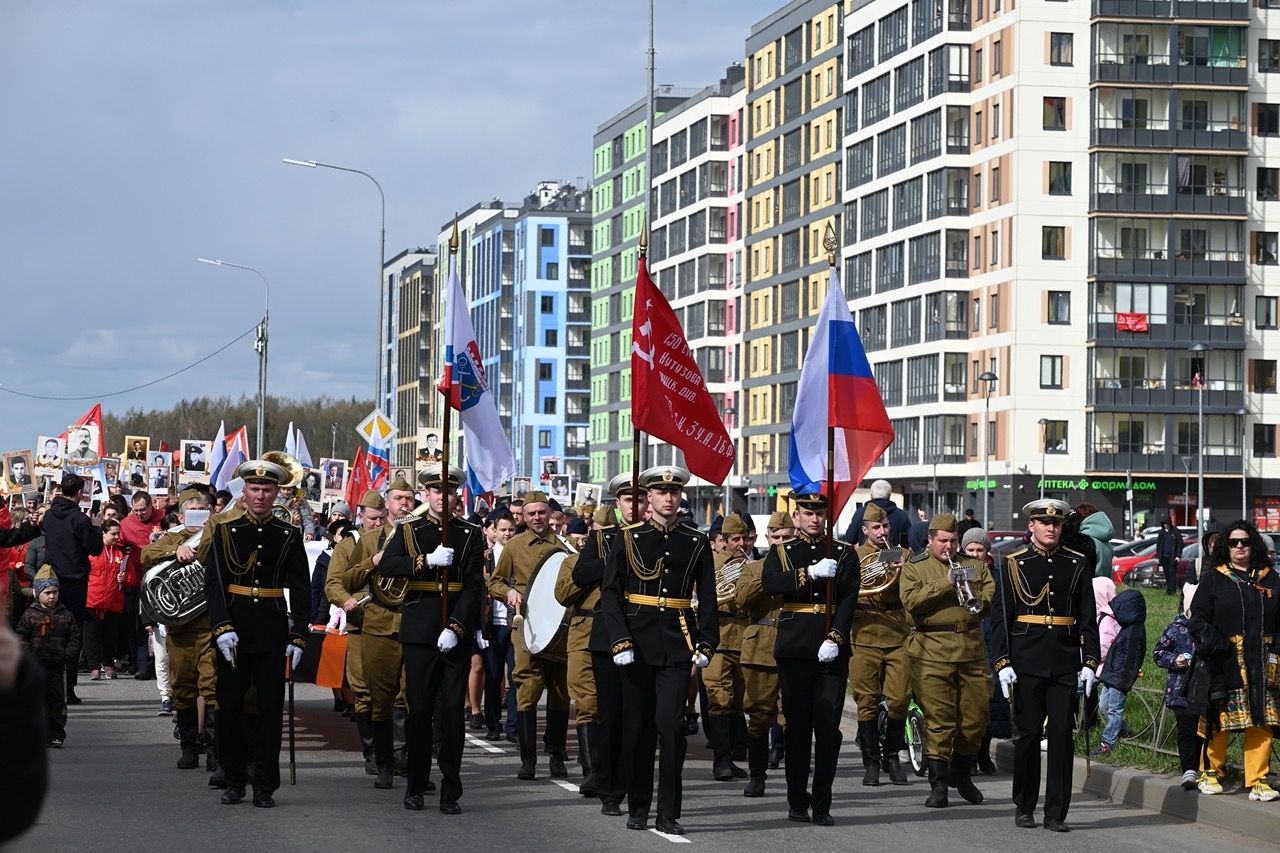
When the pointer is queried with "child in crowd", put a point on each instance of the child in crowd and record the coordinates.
(48, 630)
(1123, 661)
(1173, 652)
(105, 603)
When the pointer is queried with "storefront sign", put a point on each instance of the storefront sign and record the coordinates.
(1100, 485)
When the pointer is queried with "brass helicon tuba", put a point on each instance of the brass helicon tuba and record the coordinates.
(291, 490)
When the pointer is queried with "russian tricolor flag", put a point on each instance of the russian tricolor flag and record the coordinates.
(838, 391)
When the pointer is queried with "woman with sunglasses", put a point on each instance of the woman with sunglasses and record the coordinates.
(1234, 619)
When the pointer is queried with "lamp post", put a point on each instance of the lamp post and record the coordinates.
(382, 258)
(1186, 487)
(1044, 448)
(729, 412)
(989, 378)
(1244, 436)
(259, 344)
(1198, 348)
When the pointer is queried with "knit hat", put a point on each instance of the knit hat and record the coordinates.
(341, 508)
(578, 527)
(45, 579)
(975, 534)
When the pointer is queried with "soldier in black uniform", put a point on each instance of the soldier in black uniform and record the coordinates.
(1044, 637)
(647, 596)
(253, 559)
(605, 741)
(437, 657)
(814, 579)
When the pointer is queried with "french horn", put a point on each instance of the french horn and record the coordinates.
(877, 575)
(727, 581)
(173, 594)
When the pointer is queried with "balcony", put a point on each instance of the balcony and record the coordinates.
(1132, 67)
(1220, 200)
(1152, 264)
(1106, 456)
(1221, 335)
(1156, 395)
(1200, 10)
(1115, 132)
(952, 330)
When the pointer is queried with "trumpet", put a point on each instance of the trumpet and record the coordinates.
(964, 593)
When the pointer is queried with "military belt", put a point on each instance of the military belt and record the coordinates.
(730, 615)
(950, 628)
(867, 609)
(768, 623)
(1048, 621)
(433, 586)
(807, 608)
(255, 591)
(583, 611)
(659, 600)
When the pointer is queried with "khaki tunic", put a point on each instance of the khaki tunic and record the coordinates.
(880, 666)
(949, 670)
(723, 677)
(516, 565)
(380, 650)
(190, 645)
(581, 603)
(760, 686)
(337, 593)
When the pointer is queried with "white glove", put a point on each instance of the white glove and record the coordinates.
(625, 658)
(827, 651)
(294, 654)
(481, 642)
(824, 568)
(447, 640)
(441, 556)
(700, 660)
(1088, 678)
(1008, 678)
(227, 642)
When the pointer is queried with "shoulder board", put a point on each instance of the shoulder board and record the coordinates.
(466, 523)
(634, 526)
(689, 528)
(919, 558)
(275, 522)
(1072, 551)
(1018, 553)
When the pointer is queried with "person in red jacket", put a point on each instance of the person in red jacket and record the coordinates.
(105, 604)
(142, 526)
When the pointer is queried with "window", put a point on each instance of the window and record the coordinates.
(1059, 178)
(1264, 440)
(1050, 371)
(993, 252)
(1268, 183)
(1268, 56)
(548, 405)
(995, 184)
(995, 121)
(546, 236)
(1268, 120)
(1052, 242)
(1059, 308)
(979, 130)
(977, 252)
(1264, 309)
(1055, 437)
(1060, 48)
(977, 65)
(1055, 113)
(997, 58)
(976, 192)
(1265, 249)
(993, 310)
(548, 304)
(552, 338)
(544, 370)
(1262, 375)
(544, 438)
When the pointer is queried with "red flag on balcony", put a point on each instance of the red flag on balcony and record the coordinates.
(1131, 322)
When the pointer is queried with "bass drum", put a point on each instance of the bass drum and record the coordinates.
(544, 632)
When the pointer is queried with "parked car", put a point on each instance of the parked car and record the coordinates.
(1125, 557)
(1188, 533)
(1150, 573)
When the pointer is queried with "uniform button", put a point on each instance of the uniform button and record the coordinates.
(666, 571)
(667, 553)
(259, 529)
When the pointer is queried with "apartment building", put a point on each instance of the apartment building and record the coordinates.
(410, 276)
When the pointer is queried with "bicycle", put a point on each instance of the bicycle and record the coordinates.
(914, 734)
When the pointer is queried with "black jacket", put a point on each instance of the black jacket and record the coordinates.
(70, 539)
(405, 556)
(1129, 648)
(22, 742)
(899, 522)
(588, 572)
(785, 573)
(1020, 636)
(246, 553)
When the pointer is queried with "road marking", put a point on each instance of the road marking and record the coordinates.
(568, 786)
(674, 839)
(486, 746)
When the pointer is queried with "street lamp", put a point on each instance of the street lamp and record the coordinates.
(259, 344)
(989, 378)
(1198, 348)
(1244, 436)
(729, 412)
(382, 257)
(1044, 448)
(1186, 487)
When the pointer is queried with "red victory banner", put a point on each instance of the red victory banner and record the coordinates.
(669, 399)
(1131, 322)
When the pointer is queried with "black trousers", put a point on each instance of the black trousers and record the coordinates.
(99, 636)
(1034, 699)
(435, 686)
(238, 741)
(654, 698)
(1190, 744)
(1170, 567)
(609, 759)
(55, 703)
(813, 701)
(74, 595)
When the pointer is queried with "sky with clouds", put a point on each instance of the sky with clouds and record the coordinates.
(143, 134)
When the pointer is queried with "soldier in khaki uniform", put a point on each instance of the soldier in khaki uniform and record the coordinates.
(380, 651)
(880, 666)
(759, 667)
(723, 678)
(373, 514)
(190, 646)
(949, 670)
(583, 601)
(522, 555)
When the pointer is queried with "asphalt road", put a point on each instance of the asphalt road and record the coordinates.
(115, 787)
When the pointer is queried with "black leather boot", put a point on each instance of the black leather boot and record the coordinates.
(938, 775)
(720, 734)
(983, 758)
(757, 761)
(384, 753)
(188, 738)
(364, 727)
(399, 741)
(527, 733)
(869, 746)
(959, 779)
(586, 757)
(895, 740)
(557, 750)
(210, 738)
(738, 737)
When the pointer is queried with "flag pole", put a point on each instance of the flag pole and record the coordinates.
(635, 433)
(829, 243)
(446, 445)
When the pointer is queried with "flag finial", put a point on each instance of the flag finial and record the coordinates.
(453, 238)
(644, 236)
(829, 243)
